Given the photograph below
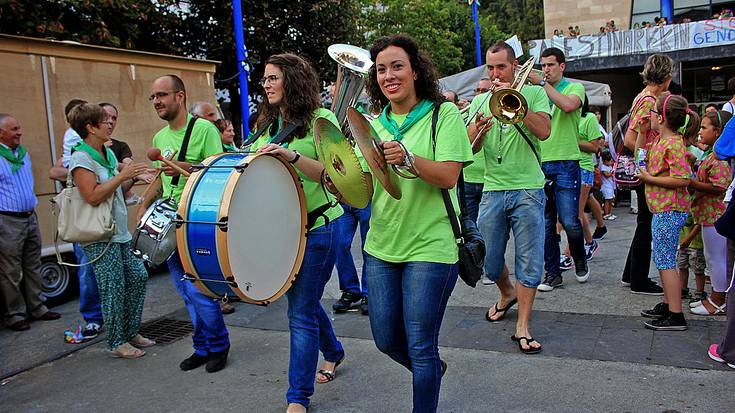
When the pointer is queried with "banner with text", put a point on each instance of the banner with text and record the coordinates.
(706, 33)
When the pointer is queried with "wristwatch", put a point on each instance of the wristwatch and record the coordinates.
(542, 82)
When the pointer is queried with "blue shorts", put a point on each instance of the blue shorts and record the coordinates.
(588, 177)
(665, 228)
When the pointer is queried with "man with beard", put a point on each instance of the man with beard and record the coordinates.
(168, 95)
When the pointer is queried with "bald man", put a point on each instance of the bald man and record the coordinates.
(204, 110)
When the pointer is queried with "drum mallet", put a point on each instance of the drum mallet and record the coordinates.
(154, 154)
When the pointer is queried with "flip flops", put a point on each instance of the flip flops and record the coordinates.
(500, 310)
(329, 374)
(529, 340)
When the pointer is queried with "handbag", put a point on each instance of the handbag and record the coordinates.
(625, 168)
(469, 240)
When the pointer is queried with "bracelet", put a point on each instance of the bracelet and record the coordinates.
(296, 158)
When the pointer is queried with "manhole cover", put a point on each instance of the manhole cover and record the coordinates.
(166, 330)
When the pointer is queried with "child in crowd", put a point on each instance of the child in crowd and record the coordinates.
(713, 178)
(667, 175)
(608, 184)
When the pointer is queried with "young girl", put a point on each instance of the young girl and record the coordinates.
(713, 178)
(608, 184)
(666, 175)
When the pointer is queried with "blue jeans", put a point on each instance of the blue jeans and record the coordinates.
(310, 328)
(563, 184)
(344, 228)
(210, 331)
(406, 307)
(523, 212)
(472, 198)
(89, 295)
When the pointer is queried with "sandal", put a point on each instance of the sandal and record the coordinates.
(126, 351)
(329, 374)
(702, 310)
(529, 340)
(500, 310)
(142, 342)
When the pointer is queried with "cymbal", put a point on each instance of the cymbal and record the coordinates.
(369, 143)
(341, 164)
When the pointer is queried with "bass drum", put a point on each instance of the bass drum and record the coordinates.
(243, 230)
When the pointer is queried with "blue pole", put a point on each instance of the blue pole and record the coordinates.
(241, 52)
(476, 18)
(667, 10)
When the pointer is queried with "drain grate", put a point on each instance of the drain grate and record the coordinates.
(166, 330)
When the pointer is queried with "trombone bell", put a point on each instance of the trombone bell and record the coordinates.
(509, 105)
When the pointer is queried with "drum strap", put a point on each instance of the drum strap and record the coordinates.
(184, 146)
(279, 139)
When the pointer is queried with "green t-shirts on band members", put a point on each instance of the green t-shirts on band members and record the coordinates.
(204, 142)
(475, 172)
(562, 144)
(589, 131)
(416, 227)
(518, 167)
(315, 194)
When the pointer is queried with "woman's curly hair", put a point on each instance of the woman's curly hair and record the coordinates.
(300, 95)
(657, 69)
(427, 79)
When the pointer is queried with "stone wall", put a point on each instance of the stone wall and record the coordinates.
(589, 15)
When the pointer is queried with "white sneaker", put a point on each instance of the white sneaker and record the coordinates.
(634, 211)
(487, 281)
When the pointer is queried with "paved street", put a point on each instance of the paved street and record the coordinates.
(597, 358)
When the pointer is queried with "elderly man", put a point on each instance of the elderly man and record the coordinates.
(20, 237)
(204, 110)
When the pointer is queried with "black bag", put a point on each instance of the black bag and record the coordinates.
(725, 224)
(469, 240)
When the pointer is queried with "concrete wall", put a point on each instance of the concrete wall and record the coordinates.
(589, 15)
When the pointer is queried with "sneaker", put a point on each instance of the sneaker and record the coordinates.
(364, 306)
(686, 294)
(634, 211)
(650, 289)
(582, 271)
(217, 361)
(550, 282)
(487, 281)
(658, 311)
(599, 233)
(624, 283)
(565, 263)
(713, 353)
(91, 330)
(670, 322)
(610, 217)
(591, 249)
(345, 302)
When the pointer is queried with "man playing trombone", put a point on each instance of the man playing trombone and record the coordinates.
(513, 195)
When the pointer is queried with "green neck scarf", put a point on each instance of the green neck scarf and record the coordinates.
(15, 161)
(563, 83)
(110, 163)
(417, 112)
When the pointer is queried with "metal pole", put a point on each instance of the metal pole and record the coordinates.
(476, 18)
(241, 53)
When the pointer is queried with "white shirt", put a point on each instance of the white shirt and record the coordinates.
(729, 107)
(71, 138)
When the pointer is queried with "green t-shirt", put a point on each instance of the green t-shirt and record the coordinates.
(315, 194)
(203, 143)
(518, 167)
(589, 130)
(697, 242)
(562, 144)
(416, 227)
(475, 173)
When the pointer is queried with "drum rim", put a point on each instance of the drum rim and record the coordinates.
(221, 238)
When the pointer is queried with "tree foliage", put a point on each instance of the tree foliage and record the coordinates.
(524, 18)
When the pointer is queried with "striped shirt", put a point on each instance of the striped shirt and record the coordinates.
(16, 188)
(71, 138)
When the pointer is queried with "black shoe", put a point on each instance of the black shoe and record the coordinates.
(670, 322)
(444, 367)
(649, 289)
(658, 311)
(599, 233)
(194, 361)
(91, 330)
(345, 302)
(550, 282)
(364, 306)
(582, 271)
(217, 361)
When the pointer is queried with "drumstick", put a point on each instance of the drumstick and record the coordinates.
(151, 191)
(154, 154)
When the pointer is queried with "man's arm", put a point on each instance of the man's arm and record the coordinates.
(539, 124)
(58, 172)
(567, 103)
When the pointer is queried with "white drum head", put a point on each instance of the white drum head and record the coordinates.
(266, 228)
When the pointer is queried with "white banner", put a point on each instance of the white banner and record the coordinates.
(706, 33)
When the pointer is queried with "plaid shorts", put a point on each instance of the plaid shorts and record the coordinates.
(691, 258)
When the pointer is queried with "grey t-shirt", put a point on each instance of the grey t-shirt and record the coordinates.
(81, 159)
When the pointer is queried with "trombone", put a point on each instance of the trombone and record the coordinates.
(509, 105)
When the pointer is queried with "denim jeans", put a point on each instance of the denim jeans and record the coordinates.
(523, 212)
(472, 198)
(344, 228)
(210, 331)
(406, 307)
(310, 328)
(89, 295)
(563, 183)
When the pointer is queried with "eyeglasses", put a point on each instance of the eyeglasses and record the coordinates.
(161, 95)
(269, 79)
(653, 111)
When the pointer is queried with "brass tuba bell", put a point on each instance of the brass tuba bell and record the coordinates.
(353, 64)
(509, 105)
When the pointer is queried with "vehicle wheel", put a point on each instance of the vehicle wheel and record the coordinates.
(58, 281)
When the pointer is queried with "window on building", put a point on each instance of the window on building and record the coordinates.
(693, 10)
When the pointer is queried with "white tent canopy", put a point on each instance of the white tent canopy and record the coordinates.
(464, 84)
